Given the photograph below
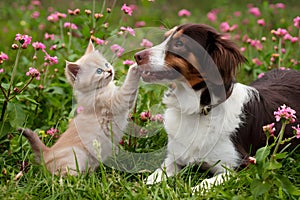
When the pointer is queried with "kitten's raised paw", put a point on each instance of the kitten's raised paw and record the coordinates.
(134, 68)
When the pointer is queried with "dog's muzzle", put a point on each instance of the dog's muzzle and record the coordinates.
(142, 57)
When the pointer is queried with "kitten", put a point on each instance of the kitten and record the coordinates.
(93, 134)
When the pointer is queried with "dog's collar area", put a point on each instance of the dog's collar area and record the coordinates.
(207, 108)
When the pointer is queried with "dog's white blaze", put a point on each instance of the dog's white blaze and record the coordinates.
(157, 56)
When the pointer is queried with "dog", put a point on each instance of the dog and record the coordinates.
(211, 119)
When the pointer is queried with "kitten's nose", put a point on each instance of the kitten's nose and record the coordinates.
(142, 57)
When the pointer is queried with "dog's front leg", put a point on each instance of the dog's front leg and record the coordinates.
(167, 169)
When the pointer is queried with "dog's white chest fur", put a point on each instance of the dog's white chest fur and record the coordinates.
(196, 138)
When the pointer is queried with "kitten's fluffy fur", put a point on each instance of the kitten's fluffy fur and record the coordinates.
(94, 132)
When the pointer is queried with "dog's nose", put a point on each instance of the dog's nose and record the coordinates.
(142, 57)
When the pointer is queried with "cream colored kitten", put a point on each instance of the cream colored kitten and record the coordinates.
(93, 134)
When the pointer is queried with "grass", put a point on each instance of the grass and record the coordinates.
(48, 102)
(107, 183)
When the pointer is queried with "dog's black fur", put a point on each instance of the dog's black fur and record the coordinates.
(276, 87)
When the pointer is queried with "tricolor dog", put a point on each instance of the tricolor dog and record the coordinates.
(211, 119)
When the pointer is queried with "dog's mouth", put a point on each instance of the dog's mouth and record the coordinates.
(151, 76)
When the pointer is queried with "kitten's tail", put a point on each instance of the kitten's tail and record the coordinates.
(37, 145)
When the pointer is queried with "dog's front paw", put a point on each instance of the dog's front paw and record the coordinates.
(207, 184)
(155, 177)
(202, 188)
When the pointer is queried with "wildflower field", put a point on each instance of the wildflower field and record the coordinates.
(38, 36)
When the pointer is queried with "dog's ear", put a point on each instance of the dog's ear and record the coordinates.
(71, 71)
(226, 56)
(90, 48)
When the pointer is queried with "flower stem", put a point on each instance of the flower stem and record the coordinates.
(112, 6)
(70, 37)
(14, 72)
(7, 98)
(3, 111)
(61, 31)
(45, 75)
(299, 37)
(279, 51)
(22, 89)
(280, 136)
(93, 13)
(3, 91)
(6, 95)
(103, 6)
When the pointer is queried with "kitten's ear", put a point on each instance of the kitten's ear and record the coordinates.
(90, 48)
(71, 71)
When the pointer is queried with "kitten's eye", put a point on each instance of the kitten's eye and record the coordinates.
(99, 71)
(178, 43)
(107, 65)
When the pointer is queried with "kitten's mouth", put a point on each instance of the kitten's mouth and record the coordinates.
(110, 73)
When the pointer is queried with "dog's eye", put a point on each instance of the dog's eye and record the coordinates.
(106, 65)
(178, 43)
(99, 71)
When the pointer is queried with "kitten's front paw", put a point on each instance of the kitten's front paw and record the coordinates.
(134, 69)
